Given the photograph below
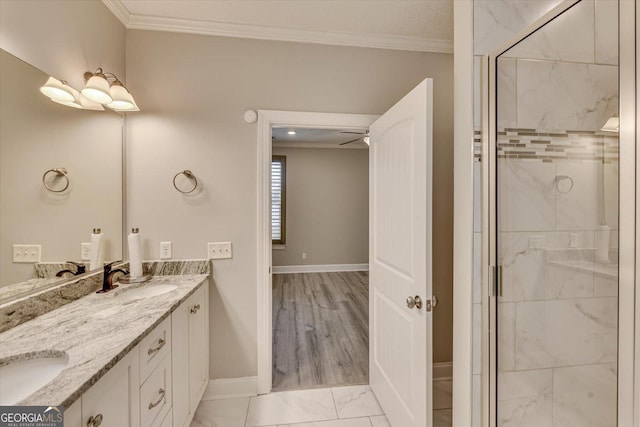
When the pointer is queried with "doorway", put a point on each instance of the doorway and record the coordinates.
(320, 238)
(267, 120)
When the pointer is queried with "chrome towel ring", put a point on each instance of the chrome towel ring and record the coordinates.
(190, 176)
(60, 172)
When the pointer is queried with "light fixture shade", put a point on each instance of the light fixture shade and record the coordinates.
(57, 90)
(122, 99)
(97, 89)
(612, 125)
(80, 102)
(75, 103)
(366, 140)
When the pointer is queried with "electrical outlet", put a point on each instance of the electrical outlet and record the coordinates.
(219, 250)
(26, 253)
(85, 251)
(165, 250)
(304, 255)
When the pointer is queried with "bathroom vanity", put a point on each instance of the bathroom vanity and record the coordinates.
(135, 357)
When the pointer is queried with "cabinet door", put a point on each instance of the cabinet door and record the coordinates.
(198, 346)
(73, 415)
(180, 363)
(115, 397)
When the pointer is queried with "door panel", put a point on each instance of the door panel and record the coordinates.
(400, 259)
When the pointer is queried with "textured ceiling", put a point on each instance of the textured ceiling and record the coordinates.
(317, 137)
(412, 20)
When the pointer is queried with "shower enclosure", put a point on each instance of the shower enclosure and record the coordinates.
(555, 169)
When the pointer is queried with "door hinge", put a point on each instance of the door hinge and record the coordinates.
(496, 281)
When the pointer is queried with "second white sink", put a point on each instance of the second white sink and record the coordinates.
(23, 376)
(147, 291)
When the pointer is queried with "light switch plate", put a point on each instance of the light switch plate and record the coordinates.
(165, 250)
(219, 250)
(85, 251)
(26, 253)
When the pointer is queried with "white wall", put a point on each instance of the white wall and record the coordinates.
(63, 38)
(327, 205)
(193, 91)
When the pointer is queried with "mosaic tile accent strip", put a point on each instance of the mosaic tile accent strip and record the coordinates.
(552, 146)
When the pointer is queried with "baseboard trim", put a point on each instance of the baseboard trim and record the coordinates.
(226, 388)
(326, 268)
(442, 371)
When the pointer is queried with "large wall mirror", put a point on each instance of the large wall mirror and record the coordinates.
(36, 136)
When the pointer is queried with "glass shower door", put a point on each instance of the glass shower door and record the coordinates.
(557, 222)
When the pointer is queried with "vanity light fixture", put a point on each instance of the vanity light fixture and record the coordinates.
(100, 89)
(366, 140)
(291, 132)
(112, 94)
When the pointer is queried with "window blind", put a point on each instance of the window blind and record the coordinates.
(278, 197)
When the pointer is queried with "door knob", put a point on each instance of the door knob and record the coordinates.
(414, 302)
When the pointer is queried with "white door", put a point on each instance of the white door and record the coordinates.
(400, 203)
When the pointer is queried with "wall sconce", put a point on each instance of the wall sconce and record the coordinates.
(98, 91)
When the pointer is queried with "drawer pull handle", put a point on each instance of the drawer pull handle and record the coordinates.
(161, 344)
(157, 402)
(195, 309)
(94, 421)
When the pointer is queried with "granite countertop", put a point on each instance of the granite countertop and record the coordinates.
(95, 332)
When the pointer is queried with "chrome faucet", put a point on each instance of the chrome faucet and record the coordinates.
(109, 276)
(80, 269)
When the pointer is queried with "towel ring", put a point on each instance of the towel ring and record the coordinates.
(60, 172)
(189, 175)
(561, 178)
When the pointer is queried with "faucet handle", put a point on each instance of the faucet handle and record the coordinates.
(81, 268)
(107, 267)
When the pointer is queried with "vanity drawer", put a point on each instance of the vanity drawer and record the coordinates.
(156, 395)
(154, 347)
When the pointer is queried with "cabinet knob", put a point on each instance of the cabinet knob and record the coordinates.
(195, 309)
(94, 421)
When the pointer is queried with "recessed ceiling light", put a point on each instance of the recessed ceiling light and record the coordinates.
(292, 132)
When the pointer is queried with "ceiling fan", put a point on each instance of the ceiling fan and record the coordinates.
(364, 137)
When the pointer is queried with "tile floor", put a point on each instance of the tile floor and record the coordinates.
(353, 406)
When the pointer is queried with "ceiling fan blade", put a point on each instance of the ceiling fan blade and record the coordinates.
(349, 142)
(354, 133)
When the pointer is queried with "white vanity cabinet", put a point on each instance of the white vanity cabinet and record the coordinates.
(114, 400)
(190, 355)
(160, 382)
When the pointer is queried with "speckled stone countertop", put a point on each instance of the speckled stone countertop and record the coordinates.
(95, 332)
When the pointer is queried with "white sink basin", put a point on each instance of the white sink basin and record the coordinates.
(148, 291)
(22, 377)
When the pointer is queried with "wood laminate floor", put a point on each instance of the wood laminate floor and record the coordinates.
(320, 330)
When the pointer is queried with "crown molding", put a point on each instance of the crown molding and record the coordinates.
(119, 10)
(259, 32)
